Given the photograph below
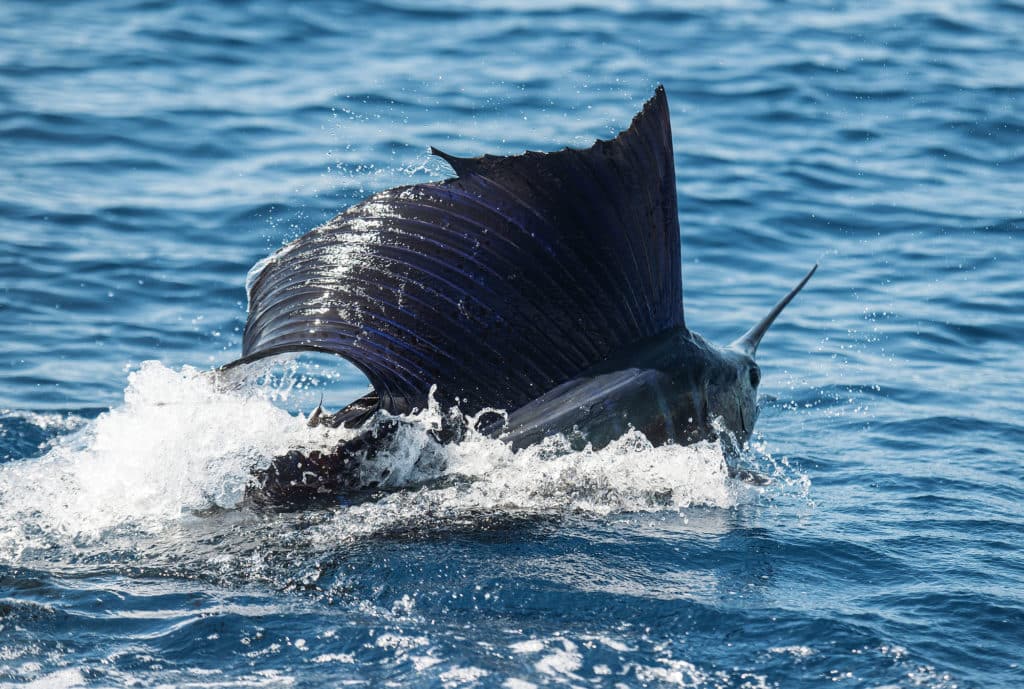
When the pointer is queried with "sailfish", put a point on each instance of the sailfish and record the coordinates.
(547, 285)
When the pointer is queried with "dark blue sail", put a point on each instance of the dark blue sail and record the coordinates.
(496, 285)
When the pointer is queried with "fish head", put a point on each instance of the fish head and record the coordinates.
(731, 391)
(732, 381)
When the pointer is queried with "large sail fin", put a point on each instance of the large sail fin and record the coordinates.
(496, 285)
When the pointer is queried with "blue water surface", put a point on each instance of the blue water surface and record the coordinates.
(153, 151)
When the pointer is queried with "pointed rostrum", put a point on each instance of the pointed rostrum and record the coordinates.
(749, 341)
(496, 285)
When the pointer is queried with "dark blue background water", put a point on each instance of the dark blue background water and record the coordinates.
(152, 152)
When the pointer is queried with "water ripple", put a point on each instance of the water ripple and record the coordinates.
(154, 151)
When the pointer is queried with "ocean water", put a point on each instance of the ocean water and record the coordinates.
(153, 151)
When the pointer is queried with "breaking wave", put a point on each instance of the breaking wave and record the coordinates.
(183, 443)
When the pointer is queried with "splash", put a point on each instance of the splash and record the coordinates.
(178, 444)
(183, 443)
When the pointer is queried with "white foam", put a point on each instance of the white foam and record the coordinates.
(177, 444)
(183, 442)
(482, 477)
(48, 421)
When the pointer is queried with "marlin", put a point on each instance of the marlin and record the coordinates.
(548, 285)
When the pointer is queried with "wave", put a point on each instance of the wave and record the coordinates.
(184, 443)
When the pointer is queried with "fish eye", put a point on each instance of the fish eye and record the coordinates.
(755, 376)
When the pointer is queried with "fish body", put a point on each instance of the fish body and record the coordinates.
(546, 285)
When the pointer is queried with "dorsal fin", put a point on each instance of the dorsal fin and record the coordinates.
(462, 166)
(496, 285)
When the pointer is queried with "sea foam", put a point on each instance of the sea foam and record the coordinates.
(184, 442)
